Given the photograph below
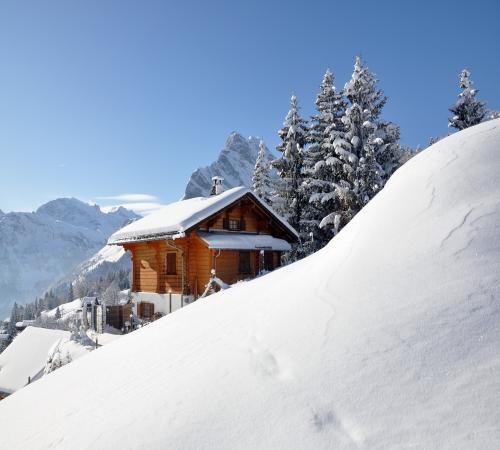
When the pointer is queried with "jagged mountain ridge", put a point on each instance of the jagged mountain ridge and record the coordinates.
(235, 163)
(40, 247)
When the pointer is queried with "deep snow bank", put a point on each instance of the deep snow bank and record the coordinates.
(387, 338)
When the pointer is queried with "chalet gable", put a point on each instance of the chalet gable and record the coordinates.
(179, 218)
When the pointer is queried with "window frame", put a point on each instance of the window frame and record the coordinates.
(233, 224)
(269, 260)
(245, 265)
(174, 272)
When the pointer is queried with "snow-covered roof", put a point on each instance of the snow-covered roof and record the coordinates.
(174, 219)
(24, 323)
(26, 356)
(65, 309)
(244, 241)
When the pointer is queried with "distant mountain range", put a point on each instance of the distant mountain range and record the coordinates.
(38, 248)
(235, 163)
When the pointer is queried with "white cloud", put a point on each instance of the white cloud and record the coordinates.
(142, 208)
(131, 198)
(142, 204)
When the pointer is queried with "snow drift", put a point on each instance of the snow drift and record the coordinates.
(387, 338)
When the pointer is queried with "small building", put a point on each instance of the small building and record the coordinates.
(175, 250)
(23, 324)
(118, 316)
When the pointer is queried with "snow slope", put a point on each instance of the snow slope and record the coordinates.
(235, 164)
(109, 259)
(387, 338)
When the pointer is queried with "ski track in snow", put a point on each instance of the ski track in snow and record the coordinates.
(456, 228)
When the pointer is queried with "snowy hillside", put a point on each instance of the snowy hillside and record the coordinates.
(108, 260)
(386, 338)
(38, 248)
(235, 163)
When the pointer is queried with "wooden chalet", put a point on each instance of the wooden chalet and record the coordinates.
(175, 250)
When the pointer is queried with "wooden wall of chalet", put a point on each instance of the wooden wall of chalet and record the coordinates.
(199, 265)
(227, 265)
(149, 266)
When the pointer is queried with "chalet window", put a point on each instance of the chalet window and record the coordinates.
(172, 263)
(268, 261)
(233, 224)
(244, 263)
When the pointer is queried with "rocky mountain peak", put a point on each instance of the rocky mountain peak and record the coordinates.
(235, 164)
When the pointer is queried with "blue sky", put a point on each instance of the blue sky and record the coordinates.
(107, 98)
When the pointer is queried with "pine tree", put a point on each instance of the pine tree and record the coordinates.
(467, 111)
(368, 151)
(321, 165)
(71, 294)
(286, 197)
(261, 180)
(14, 318)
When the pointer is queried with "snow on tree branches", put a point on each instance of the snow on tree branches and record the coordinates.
(329, 171)
(367, 151)
(261, 180)
(467, 111)
(321, 164)
(286, 198)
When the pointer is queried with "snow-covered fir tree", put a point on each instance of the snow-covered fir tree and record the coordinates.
(367, 151)
(321, 166)
(494, 115)
(467, 111)
(286, 199)
(57, 358)
(261, 180)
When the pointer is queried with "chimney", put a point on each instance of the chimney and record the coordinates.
(217, 185)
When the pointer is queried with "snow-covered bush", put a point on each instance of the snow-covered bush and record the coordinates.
(57, 357)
